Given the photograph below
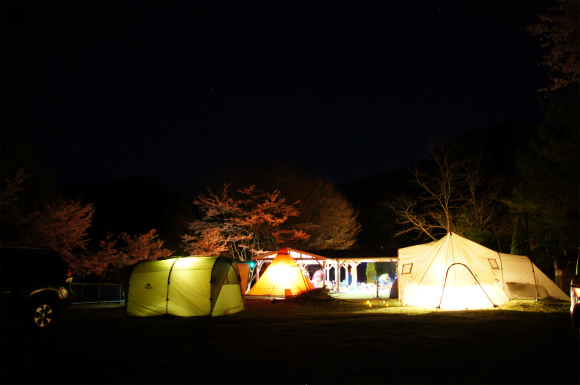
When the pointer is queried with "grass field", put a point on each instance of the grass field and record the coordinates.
(305, 341)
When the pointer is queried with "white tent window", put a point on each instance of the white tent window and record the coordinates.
(493, 264)
(407, 268)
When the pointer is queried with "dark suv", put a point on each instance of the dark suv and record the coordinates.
(36, 284)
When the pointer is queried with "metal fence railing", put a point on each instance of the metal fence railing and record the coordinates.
(94, 293)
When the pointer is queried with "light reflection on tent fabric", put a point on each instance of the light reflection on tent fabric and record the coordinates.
(455, 273)
(282, 274)
(452, 273)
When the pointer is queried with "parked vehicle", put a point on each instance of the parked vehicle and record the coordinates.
(575, 299)
(35, 283)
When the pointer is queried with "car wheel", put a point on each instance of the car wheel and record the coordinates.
(42, 314)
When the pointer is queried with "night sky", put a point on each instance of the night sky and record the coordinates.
(167, 90)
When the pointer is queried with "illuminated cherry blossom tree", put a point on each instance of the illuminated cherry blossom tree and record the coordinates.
(117, 252)
(238, 224)
(62, 225)
(323, 211)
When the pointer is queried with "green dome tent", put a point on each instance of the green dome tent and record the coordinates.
(185, 287)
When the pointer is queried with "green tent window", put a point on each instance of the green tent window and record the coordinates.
(232, 277)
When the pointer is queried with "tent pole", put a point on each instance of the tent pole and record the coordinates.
(503, 285)
(535, 281)
(355, 274)
(305, 279)
(168, 283)
(474, 277)
(398, 278)
(324, 273)
(337, 277)
(259, 267)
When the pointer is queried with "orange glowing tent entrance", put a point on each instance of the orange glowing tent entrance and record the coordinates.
(282, 278)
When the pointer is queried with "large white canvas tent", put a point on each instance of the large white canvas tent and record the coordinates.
(283, 277)
(185, 287)
(456, 273)
(452, 273)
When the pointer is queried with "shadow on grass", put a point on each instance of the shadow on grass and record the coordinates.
(306, 339)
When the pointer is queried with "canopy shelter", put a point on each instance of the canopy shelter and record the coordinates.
(185, 287)
(456, 273)
(329, 259)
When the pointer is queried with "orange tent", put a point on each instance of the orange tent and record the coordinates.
(283, 277)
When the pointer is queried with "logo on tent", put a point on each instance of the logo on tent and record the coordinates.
(148, 286)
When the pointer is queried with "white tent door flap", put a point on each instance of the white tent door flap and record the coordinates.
(462, 290)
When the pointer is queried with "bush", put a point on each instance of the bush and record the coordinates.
(320, 293)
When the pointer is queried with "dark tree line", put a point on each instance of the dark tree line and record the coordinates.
(33, 213)
(100, 229)
(547, 195)
(522, 198)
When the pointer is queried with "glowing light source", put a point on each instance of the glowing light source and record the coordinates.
(459, 298)
(452, 273)
(283, 276)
